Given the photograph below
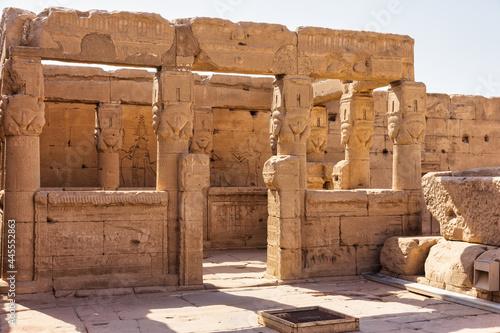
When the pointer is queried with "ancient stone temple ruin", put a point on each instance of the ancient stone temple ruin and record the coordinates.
(123, 178)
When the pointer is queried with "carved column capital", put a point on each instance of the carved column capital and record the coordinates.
(22, 115)
(173, 105)
(316, 144)
(357, 119)
(22, 107)
(108, 128)
(407, 103)
(290, 120)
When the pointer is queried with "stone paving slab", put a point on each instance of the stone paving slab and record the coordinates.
(380, 308)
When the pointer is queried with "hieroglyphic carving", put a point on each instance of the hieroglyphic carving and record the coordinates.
(406, 110)
(22, 115)
(108, 128)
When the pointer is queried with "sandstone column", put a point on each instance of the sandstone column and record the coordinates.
(290, 129)
(173, 125)
(194, 181)
(23, 118)
(406, 110)
(108, 140)
(357, 118)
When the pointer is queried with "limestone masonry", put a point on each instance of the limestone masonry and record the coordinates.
(122, 178)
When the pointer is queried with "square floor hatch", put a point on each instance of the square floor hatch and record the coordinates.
(308, 319)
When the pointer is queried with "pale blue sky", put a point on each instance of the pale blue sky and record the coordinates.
(456, 42)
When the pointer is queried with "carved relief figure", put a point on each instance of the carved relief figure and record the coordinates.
(138, 153)
(345, 133)
(202, 143)
(248, 152)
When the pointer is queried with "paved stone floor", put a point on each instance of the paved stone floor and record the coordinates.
(234, 291)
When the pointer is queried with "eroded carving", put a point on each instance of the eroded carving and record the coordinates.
(281, 173)
(407, 103)
(138, 153)
(173, 121)
(201, 142)
(408, 129)
(275, 126)
(316, 144)
(108, 130)
(22, 115)
(248, 153)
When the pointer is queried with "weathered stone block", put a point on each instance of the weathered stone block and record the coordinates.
(438, 106)
(329, 261)
(386, 202)
(369, 230)
(336, 203)
(466, 204)
(452, 263)
(320, 231)
(317, 47)
(462, 107)
(284, 233)
(132, 237)
(70, 238)
(107, 206)
(99, 264)
(244, 47)
(368, 258)
(132, 92)
(237, 217)
(79, 90)
(96, 36)
(406, 255)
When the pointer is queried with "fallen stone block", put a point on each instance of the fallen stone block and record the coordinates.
(406, 255)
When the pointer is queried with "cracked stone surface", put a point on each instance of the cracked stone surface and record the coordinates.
(224, 307)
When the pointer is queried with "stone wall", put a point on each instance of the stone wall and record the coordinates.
(230, 126)
(232, 119)
(237, 218)
(344, 231)
(89, 239)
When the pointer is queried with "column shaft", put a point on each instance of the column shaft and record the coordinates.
(23, 119)
(173, 125)
(108, 141)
